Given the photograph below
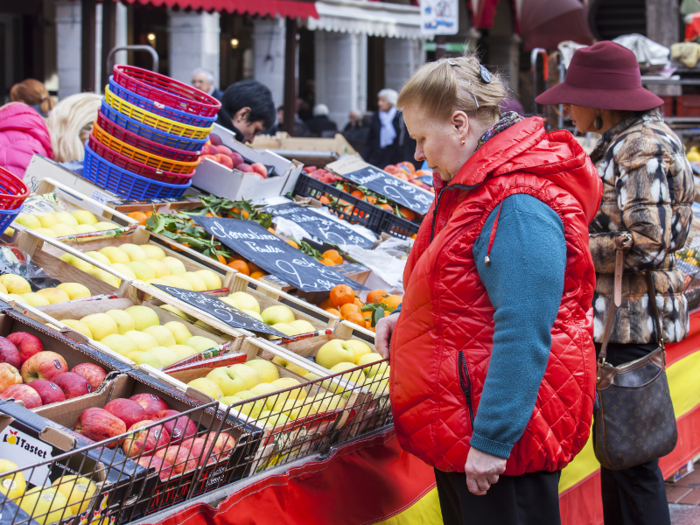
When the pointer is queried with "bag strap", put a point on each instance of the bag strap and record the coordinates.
(617, 300)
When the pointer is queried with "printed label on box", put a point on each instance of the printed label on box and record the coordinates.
(25, 451)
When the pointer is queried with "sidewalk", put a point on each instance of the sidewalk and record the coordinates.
(684, 499)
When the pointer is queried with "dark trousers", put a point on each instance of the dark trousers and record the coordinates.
(637, 495)
(530, 499)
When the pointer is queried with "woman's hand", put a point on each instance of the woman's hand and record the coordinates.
(384, 329)
(482, 471)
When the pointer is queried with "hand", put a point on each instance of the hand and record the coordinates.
(384, 329)
(482, 471)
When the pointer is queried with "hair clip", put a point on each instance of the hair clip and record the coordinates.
(475, 101)
(485, 74)
(452, 63)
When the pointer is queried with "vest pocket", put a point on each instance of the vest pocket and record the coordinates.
(465, 383)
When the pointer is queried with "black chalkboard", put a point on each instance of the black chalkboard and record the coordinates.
(254, 243)
(402, 192)
(219, 309)
(327, 230)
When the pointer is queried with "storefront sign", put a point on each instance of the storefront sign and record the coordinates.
(219, 309)
(439, 17)
(254, 243)
(328, 230)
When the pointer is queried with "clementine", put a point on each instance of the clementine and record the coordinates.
(138, 216)
(392, 301)
(359, 302)
(376, 296)
(326, 262)
(258, 275)
(334, 256)
(342, 294)
(333, 311)
(240, 265)
(356, 318)
(326, 303)
(349, 308)
(293, 244)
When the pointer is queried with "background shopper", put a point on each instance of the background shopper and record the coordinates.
(23, 134)
(70, 124)
(246, 109)
(33, 93)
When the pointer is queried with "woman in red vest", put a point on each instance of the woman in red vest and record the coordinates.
(492, 357)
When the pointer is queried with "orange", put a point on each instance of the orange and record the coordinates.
(326, 262)
(359, 302)
(221, 258)
(368, 323)
(326, 303)
(358, 194)
(367, 315)
(293, 244)
(392, 301)
(324, 200)
(334, 256)
(258, 275)
(138, 216)
(349, 308)
(409, 215)
(371, 199)
(356, 318)
(376, 296)
(333, 311)
(271, 230)
(254, 267)
(342, 294)
(210, 215)
(240, 265)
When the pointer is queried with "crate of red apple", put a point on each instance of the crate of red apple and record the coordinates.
(216, 151)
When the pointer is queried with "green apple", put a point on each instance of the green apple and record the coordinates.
(303, 326)
(162, 334)
(143, 341)
(143, 316)
(144, 358)
(373, 370)
(278, 313)
(165, 355)
(265, 389)
(100, 325)
(334, 352)
(183, 352)
(180, 332)
(121, 344)
(356, 377)
(228, 381)
(360, 347)
(268, 372)
(207, 386)
(125, 323)
(115, 255)
(134, 252)
(200, 344)
(245, 301)
(250, 375)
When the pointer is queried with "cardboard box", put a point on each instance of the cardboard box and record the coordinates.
(309, 151)
(211, 177)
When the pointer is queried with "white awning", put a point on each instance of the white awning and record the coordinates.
(371, 18)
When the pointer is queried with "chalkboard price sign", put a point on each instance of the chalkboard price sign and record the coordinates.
(219, 309)
(321, 227)
(253, 242)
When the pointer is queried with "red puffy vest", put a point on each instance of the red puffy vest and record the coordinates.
(442, 342)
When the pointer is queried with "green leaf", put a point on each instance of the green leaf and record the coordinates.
(378, 314)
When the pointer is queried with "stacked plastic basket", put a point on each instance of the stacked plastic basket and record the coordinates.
(150, 129)
(13, 192)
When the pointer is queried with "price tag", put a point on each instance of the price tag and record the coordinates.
(253, 242)
(219, 309)
(324, 228)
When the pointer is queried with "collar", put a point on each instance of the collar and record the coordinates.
(609, 136)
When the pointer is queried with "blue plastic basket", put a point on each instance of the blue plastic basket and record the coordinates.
(160, 109)
(129, 185)
(147, 132)
(7, 217)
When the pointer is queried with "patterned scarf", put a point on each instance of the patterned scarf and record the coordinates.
(507, 120)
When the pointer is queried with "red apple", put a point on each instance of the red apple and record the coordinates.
(27, 344)
(98, 424)
(179, 457)
(163, 467)
(143, 440)
(44, 365)
(244, 167)
(151, 403)
(48, 391)
(198, 449)
(224, 160)
(223, 444)
(260, 168)
(180, 428)
(72, 384)
(93, 373)
(236, 158)
(9, 353)
(9, 376)
(210, 150)
(130, 412)
(24, 393)
(224, 149)
(215, 139)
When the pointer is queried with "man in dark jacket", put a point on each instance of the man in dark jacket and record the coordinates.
(321, 125)
(246, 109)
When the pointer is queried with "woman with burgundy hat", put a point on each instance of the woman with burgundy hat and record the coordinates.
(646, 209)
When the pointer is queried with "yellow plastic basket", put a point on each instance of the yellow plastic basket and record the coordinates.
(135, 154)
(155, 121)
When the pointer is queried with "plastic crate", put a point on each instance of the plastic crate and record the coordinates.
(158, 108)
(12, 191)
(142, 130)
(136, 155)
(129, 185)
(165, 90)
(155, 121)
(397, 226)
(688, 106)
(7, 217)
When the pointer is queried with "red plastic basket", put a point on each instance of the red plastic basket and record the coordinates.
(166, 91)
(145, 145)
(12, 191)
(136, 167)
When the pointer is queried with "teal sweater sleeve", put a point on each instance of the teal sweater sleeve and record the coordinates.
(525, 282)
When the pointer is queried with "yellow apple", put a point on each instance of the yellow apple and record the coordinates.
(198, 284)
(85, 217)
(78, 491)
(144, 341)
(334, 352)
(75, 290)
(115, 255)
(65, 218)
(78, 326)
(141, 270)
(268, 372)
(144, 358)
(175, 265)
(101, 257)
(134, 252)
(158, 267)
(212, 279)
(278, 313)
(15, 284)
(45, 505)
(227, 380)
(125, 323)
(245, 301)
(165, 355)
(143, 316)
(123, 269)
(100, 325)
(155, 253)
(121, 344)
(250, 376)
(200, 344)
(373, 370)
(162, 334)
(180, 332)
(12, 486)
(35, 299)
(207, 386)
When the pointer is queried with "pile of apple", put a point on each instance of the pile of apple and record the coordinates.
(172, 448)
(321, 174)
(148, 263)
(136, 333)
(225, 156)
(37, 377)
(20, 290)
(62, 223)
(338, 356)
(67, 496)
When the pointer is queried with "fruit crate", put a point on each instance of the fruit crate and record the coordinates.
(354, 210)
(55, 314)
(52, 196)
(149, 486)
(688, 106)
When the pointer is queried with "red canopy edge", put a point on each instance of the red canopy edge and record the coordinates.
(283, 8)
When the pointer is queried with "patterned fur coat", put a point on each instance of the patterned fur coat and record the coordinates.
(648, 191)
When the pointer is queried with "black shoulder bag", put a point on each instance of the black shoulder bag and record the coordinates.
(634, 418)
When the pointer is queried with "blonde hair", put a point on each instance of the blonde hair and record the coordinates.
(455, 84)
(32, 93)
(70, 124)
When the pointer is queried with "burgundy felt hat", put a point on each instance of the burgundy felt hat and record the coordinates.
(603, 76)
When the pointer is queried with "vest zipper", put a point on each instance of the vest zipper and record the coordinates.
(466, 384)
(437, 204)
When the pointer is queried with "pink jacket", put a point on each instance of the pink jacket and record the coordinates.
(22, 134)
